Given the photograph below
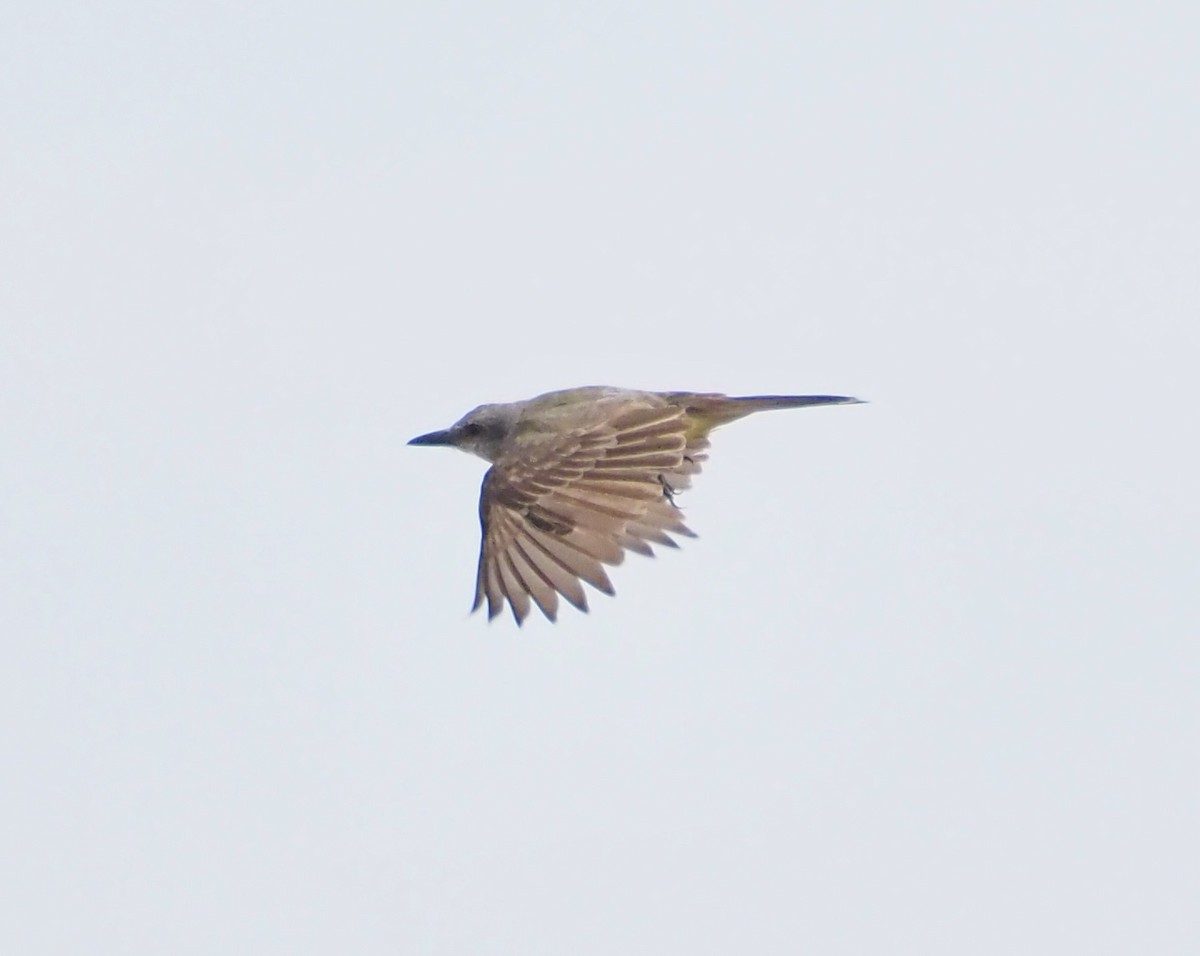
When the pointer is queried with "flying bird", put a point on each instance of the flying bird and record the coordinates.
(581, 476)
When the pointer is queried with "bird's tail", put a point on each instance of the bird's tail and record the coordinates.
(762, 403)
(710, 411)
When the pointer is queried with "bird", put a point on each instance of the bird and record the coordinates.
(581, 476)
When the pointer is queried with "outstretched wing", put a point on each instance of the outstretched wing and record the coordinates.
(565, 504)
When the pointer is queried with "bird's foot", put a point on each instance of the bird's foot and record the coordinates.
(668, 491)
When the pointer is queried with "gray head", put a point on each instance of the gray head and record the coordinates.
(482, 431)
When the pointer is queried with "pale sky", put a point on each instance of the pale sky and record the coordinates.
(927, 681)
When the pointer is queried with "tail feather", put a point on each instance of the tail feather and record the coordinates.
(709, 411)
(760, 403)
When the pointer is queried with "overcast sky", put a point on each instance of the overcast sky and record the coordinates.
(927, 681)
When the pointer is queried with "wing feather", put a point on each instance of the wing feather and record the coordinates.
(580, 563)
(541, 590)
(495, 591)
(516, 589)
(561, 574)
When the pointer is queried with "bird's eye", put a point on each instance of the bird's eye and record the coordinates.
(472, 429)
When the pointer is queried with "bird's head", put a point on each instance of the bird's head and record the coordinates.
(482, 431)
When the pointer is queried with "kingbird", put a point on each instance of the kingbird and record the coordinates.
(581, 476)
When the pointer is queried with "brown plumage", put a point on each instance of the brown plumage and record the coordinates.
(579, 477)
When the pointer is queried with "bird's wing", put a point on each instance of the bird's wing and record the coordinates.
(564, 504)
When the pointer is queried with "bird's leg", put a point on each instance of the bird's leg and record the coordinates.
(668, 491)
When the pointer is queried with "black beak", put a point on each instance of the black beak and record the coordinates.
(433, 438)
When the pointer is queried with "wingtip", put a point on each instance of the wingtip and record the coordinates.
(493, 611)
